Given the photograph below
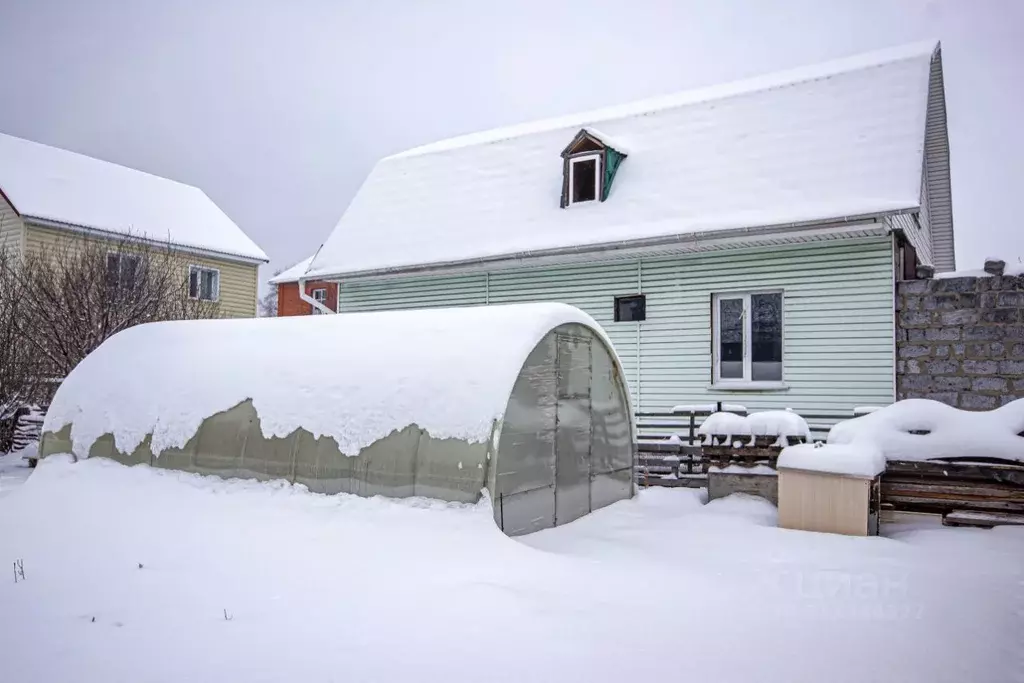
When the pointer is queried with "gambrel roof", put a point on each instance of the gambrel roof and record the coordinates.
(56, 187)
(836, 141)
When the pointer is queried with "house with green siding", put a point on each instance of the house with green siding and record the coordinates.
(739, 243)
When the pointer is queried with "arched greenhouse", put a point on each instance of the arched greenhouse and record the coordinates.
(527, 401)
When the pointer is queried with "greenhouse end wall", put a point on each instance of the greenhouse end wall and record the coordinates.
(566, 443)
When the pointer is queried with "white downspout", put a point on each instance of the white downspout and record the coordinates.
(310, 300)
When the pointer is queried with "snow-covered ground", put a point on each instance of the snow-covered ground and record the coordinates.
(243, 581)
(14, 470)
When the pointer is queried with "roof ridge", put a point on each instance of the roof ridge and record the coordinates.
(88, 157)
(761, 83)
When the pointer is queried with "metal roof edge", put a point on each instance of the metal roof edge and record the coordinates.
(693, 240)
(110, 235)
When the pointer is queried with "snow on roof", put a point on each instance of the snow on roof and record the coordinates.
(52, 184)
(832, 141)
(859, 460)
(921, 429)
(291, 274)
(449, 371)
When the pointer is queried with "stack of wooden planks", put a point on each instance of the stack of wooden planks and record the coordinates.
(661, 462)
(986, 493)
(764, 451)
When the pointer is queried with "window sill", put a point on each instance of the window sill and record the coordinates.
(749, 386)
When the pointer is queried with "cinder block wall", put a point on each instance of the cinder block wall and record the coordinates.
(961, 340)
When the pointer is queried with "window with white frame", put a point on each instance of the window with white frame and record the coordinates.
(320, 296)
(584, 178)
(122, 269)
(747, 337)
(203, 283)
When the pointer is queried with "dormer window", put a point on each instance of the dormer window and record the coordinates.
(588, 168)
(584, 178)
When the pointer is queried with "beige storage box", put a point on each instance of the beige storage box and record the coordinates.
(830, 488)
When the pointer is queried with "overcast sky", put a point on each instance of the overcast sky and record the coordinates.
(278, 110)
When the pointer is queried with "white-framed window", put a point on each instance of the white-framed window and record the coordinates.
(122, 269)
(748, 337)
(320, 296)
(203, 283)
(584, 178)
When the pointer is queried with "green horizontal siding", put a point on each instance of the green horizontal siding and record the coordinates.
(838, 317)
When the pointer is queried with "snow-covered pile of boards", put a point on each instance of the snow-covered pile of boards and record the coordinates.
(782, 424)
(920, 429)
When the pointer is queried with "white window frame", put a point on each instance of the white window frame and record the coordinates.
(199, 282)
(718, 382)
(121, 255)
(321, 299)
(597, 176)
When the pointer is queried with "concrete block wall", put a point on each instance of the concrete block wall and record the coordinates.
(961, 340)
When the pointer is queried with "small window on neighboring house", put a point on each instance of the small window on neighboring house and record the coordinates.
(747, 337)
(320, 296)
(203, 283)
(630, 308)
(122, 269)
(584, 179)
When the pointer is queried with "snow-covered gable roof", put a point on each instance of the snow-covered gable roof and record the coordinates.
(832, 141)
(61, 187)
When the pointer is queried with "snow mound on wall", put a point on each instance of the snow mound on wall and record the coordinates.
(780, 423)
(921, 429)
(1013, 269)
(860, 460)
(355, 377)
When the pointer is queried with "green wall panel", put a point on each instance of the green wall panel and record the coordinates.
(838, 317)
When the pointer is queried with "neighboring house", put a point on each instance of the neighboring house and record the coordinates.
(49, 194)
(738, 243)
(288, 300)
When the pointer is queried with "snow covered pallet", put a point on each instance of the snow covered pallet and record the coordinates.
(27, 428)
(765, 450)
(976, 493)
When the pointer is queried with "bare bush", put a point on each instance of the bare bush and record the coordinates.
(82, 291)
(20, 369)
(268, 302)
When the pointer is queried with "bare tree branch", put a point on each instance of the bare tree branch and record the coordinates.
(81, 292)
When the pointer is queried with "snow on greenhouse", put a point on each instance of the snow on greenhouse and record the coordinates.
(527, 401)
(921, 429)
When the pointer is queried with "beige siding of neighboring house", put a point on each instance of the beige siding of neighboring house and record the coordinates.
(238, 281)
(10, 227)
